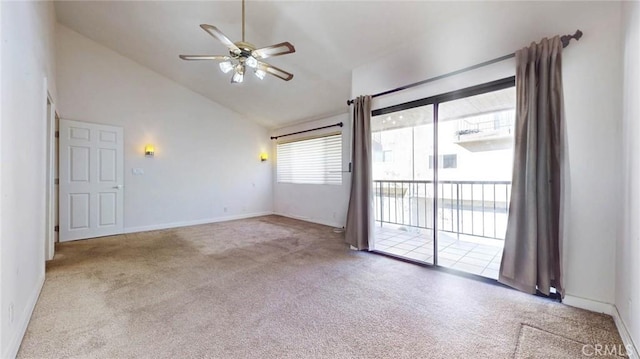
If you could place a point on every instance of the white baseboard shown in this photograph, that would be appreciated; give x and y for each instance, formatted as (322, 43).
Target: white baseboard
(312, 220)
(14, 342)
(631, 349)
(156, 227)
(606, 308)
(588, 304)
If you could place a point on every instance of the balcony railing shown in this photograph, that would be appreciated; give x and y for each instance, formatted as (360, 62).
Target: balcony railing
(494, 123)
(476, 208)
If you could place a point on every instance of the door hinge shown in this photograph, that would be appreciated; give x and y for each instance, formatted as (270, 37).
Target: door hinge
(56, 181)
(57, 134)
(56, 229)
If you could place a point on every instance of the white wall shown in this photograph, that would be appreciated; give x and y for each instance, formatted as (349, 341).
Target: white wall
(325, 204)
(592, 90)
(628, 251)
(27, 59)
(207, 157)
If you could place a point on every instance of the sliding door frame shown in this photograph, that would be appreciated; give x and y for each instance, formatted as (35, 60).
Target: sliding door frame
(435, 101)
(449, 96)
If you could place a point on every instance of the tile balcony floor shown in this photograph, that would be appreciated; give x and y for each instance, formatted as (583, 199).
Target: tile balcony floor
(471, 254)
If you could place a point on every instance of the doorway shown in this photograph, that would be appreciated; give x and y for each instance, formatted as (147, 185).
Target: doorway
(51, 222)
(442, 177)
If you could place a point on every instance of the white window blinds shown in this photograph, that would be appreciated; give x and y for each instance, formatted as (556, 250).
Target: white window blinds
(313, 161)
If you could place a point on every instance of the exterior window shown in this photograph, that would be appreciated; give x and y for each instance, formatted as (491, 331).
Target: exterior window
(387, 156)
(450, 161)
(311, 161)
(445, 161)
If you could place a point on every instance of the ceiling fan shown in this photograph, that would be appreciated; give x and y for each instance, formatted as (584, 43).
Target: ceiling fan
(243, 55)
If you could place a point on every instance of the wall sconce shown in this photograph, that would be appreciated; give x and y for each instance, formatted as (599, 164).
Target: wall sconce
(264, 156)
(149, 151)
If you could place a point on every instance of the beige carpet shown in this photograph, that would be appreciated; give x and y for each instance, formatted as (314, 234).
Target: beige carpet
(273, 287)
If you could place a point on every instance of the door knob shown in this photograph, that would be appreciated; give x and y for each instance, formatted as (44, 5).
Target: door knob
(118, 186)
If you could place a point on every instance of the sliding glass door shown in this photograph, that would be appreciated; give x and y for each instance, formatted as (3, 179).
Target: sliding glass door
(403, 183)
(475, 146)
(442, 172)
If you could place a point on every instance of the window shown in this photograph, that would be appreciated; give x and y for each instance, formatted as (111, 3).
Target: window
(445, 161)
(387, 156)
(313, 161)
(449, 161)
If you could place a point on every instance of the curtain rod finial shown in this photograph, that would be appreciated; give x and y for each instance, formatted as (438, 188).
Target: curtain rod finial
(565, 39)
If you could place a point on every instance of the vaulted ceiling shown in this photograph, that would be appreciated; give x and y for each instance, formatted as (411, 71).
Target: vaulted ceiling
(331, 39)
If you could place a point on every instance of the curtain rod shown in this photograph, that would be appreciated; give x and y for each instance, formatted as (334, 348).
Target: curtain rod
(339, 124)
(564, 39)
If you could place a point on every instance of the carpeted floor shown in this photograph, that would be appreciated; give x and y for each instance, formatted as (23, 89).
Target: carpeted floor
(273, 287)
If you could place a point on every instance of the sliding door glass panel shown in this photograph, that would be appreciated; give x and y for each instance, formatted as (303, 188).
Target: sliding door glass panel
(475, 157)
(403, 183)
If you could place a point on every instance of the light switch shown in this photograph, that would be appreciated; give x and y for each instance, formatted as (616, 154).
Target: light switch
(137, 171)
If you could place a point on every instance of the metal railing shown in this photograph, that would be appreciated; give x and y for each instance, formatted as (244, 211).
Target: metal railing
(476, 208)
(502, 122)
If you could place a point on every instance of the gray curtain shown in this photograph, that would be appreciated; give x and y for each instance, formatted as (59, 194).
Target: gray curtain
(532, 248)
(359, 221)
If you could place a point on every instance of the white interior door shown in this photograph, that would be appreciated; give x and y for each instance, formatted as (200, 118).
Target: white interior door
(91, 180)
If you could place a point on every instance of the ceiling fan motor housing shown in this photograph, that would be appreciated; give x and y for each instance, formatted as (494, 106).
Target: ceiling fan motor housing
(246, 49)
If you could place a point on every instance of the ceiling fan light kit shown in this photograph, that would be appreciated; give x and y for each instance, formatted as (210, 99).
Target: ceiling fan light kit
(238, 75)
(243, 54)
(260, 74)
(226, 66)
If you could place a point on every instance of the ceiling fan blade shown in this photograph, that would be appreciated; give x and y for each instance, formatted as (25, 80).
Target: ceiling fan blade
(213, 31)
(279, 73)
(282, 48)
(204, 57)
